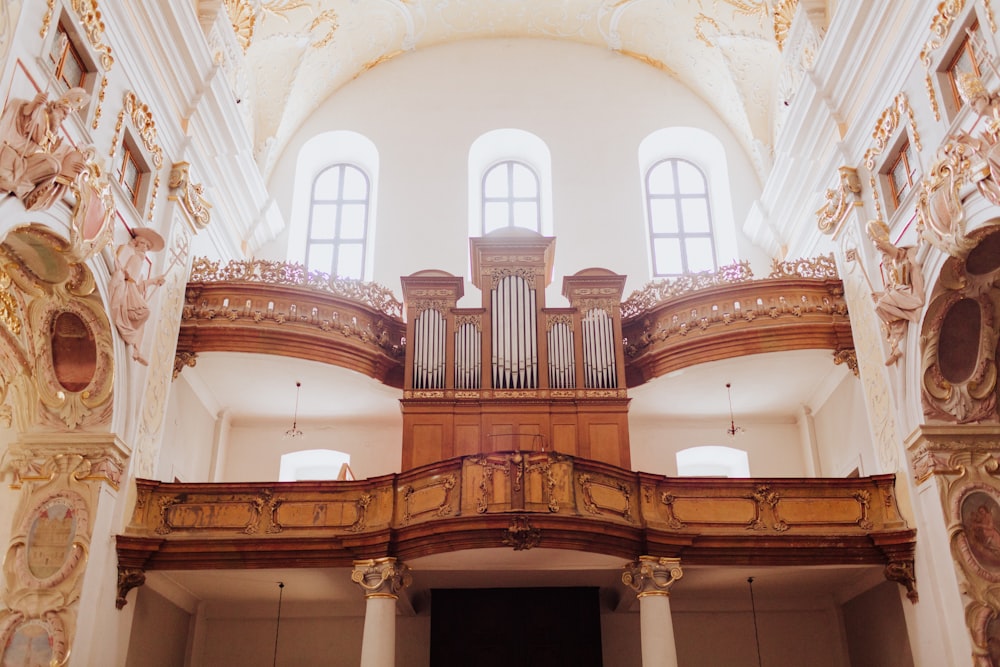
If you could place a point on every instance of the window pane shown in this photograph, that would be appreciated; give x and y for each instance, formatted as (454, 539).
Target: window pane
(667, 253)
(349, 261)
(661, 179)
(663, 216)
(319, 257)
(695, 215)
(324, 222)
(900, 182)
(699, 254)
(525, 183)
(495, 183)
(352, 222)
(690, 178)
(526, 215)
(327, 184)
(494, 216)
(72, 70)
(355, 184)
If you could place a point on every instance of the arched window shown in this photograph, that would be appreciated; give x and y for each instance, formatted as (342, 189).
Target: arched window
(332, 225)
(510, 182)
(511, 197)
(680, 218)
(688, 202)
(712, 461)
(338, 221)
(312, 464)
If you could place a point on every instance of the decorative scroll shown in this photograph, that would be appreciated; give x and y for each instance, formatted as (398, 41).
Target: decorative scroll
(189, 195)
(372, 295)
(885, 128)
(419, 501)
(840, 201)
(521, 535)
(489, 466)
(604, 496)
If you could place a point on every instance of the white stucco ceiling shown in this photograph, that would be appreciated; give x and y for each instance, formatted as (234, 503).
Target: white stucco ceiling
(298, 52)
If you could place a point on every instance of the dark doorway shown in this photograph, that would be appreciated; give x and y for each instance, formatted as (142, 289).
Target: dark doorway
(515, 627)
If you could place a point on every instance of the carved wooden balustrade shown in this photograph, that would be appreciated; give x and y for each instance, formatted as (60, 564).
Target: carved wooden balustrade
(520, 500)
(670, 325)
(275, 308)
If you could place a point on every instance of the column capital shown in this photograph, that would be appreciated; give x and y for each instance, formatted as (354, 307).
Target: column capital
(381, 577)
(650, 575)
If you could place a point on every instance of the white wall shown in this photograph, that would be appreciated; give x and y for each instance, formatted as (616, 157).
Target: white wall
(424, 109)
(843, 436)
(255, 448)
(773, 447)
(188, 431)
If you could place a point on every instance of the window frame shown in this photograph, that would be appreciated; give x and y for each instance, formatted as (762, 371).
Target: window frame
(69, 49)
(512, 197)
(337, 240)
(128, 154)
(901, 156)
(678, 197)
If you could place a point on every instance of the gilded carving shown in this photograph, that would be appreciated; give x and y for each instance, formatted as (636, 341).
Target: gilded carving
(141, 120)
(521, 535)
(839, 201)
(658, 291)
(92, 223)
(189, 195)
(290, 273)
(649, 575)
(947, 12)
(847, 356)
(381, 577)
(184, 360)
(433, 498)
(940, 213)
(606, 496)
(489, 466)
(128, 578)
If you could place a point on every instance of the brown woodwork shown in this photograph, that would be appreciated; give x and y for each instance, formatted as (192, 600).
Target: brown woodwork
(519, 499)
(773, 315)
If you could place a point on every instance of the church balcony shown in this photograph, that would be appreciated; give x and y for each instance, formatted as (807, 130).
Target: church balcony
(518, 500)
(265, 307)
(673, 324)
(275, 308)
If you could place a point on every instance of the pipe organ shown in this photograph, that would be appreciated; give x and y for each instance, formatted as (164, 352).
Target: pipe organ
(513, 374)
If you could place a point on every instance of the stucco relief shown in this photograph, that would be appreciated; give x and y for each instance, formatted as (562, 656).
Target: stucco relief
(161, 362)
(56, 357)
(868, 345)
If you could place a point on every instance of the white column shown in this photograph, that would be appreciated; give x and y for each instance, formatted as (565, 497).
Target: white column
(381, 579)
(651, 578)
(810, 450)
(220, 445)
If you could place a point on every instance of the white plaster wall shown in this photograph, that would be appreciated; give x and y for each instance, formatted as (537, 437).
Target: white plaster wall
(159, 632)
(843, 437)
(255, 448)
(424, 109)
(187, 436)
(774, 448)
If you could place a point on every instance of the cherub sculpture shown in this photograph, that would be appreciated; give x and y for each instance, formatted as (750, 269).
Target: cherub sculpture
(129, 305)
(903, 297)
(35, 165)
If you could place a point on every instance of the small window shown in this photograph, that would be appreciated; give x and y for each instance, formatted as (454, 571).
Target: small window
(902, 174)
(338, 222)
(69, 65)
(965, 61)
(129, 171)
(680, 218)
(713, 461)
(511, 197)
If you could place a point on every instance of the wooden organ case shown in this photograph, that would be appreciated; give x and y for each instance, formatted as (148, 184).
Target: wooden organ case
(514, 375)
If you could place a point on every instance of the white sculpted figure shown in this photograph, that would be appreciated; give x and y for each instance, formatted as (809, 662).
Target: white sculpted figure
(129, 306)
(35, 165)
(903, 297)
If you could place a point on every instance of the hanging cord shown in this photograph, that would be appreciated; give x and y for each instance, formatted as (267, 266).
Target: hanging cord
(753, 608)
(277, 624)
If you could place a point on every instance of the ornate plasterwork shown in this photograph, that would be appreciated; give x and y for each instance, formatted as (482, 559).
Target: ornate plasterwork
(381, 577)
(964, 464)
(650, 575)
(885, 129)
(972, 397)
(92, 224)
(44, 282)
(189, 195)
(940, 27)
(141, 120)
(839, 201)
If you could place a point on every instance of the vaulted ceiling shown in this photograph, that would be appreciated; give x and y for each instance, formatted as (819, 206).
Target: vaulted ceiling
(296, 53)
